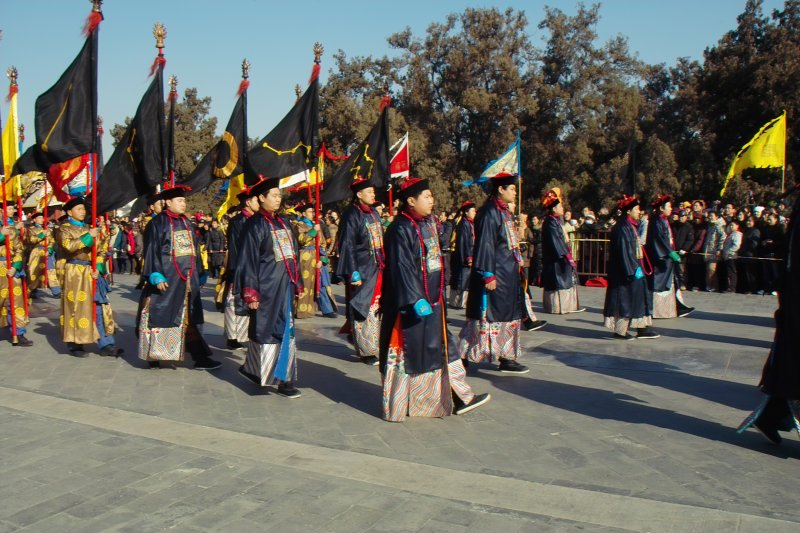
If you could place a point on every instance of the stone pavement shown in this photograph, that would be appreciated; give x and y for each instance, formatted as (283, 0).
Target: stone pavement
(599, 436)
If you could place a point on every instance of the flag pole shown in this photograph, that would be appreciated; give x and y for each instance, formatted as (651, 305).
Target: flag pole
(7, 242)
(96, 15)
(318, 51)
(519, 173)
(13, 75)
(783, 170)
(44, 226)
(173, 97)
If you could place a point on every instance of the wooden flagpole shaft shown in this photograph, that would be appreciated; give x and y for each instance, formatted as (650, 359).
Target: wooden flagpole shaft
(93, 180)
(46, 254)
(9, 277)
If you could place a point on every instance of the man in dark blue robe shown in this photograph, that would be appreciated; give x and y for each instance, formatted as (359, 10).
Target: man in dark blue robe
(268, 279)
(170, 306)
(361, 264)
(461, 257)
(629, 302)
(421, 369)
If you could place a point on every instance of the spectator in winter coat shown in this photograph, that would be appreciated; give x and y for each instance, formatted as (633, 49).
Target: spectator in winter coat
(748, 261)
(730, 249)
(684, 238)
(712, 248)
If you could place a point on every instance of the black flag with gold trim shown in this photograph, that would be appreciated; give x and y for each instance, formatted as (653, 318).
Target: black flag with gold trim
(291, 146)
(139, 162)
(369, 161)
(226, 158)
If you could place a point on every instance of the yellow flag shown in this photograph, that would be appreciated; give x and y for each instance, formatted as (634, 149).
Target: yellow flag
(234, 187)
(11, 150)
(766, 150)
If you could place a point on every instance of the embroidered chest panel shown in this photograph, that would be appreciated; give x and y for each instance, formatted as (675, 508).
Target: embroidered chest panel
(282, 245)
(182, 243)
(375, 232)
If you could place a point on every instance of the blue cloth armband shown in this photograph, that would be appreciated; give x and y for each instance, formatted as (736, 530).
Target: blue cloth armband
(156, 278)
(487, 275)
(638, 274)
(356, 277)
(422, 307)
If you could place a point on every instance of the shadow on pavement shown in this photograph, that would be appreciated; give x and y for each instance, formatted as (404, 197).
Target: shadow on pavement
(656, 374)
(609, 405)
(341, 388)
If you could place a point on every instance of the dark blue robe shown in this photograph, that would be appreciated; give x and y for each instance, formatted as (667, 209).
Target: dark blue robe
(557, 273)
(781, 375)
(462, 255)
(234, 237)
(262, 271)
(658, 246)
(404, 285)
(493, 252)
(356, 242)
(626, 296)
(165, 234)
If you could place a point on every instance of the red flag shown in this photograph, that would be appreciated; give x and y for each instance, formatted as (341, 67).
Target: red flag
(400, 162)
(60, 174)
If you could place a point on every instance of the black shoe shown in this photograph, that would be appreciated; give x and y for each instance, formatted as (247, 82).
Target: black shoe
(647, 333)
(477, 401)
(770, 433)
(626, 337)
(330, 315)
(154, 364)
(371, 360)
(207, 364)
(77, 351)
(684, 311)
(512, 367)
(111, 351)
(288, 390)
(533, 325)
(233, 344)
(23, 341)
(465, 362)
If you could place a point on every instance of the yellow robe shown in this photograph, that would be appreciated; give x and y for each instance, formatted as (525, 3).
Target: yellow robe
(306, 302)
(77, 324)
(14, 244)
(37, 246)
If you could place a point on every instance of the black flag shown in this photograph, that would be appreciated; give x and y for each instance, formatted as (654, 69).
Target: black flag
(292, 145)
(138, 163)
(66, 114)
(226, 158)
(369, 161)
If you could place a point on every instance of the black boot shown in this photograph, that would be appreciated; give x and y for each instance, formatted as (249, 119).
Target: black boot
(23, 341)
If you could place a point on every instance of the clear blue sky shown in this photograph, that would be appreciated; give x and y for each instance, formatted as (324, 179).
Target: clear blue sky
(207, 41)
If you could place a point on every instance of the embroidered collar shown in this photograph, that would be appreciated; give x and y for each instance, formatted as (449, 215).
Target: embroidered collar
(270, 215)
(364, 208)
(501, 204)
(246, 212)
(170, 214)
(634, 223)
(305, 221)
(414, 215)
(74, 222)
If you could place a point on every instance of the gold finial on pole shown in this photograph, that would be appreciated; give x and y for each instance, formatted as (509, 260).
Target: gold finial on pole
(96, 6)
(298, 91)
(22, 133)
(12, 75)
(160, 33)
(245, 69)
(173, 83)
(318, 51)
